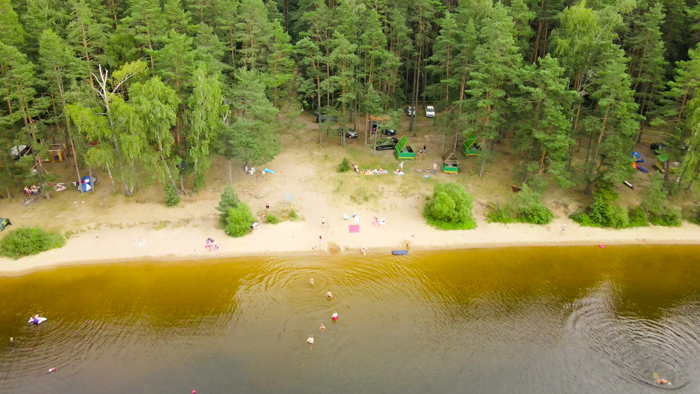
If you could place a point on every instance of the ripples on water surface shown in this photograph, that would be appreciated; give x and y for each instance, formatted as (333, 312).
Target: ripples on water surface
(529, 320)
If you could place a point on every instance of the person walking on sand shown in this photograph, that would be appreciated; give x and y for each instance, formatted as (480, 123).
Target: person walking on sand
(425, 149)
(434, 168)
(420, 155)
(320, 239)
(267, 205)
(323, 221)
(563, 228)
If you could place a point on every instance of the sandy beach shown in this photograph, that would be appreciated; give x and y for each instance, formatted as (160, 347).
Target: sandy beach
(104, 227)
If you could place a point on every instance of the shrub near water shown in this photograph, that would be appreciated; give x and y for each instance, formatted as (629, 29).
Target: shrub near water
(603, 212)
(28, 241)
(450, 208)
(239, 220)
(527, 207)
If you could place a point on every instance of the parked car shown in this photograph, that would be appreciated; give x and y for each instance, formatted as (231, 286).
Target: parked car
(321, 118)
(349, 133)
(385, 143)
(657, 146)
(660, 147)
(389, 132)
(18, 151)
(411, 111)
(430, 111)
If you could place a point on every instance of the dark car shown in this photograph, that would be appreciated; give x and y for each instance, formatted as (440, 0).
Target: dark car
(376, 125)
(321, 118)
(385, 143)
(658, 146)
(349, 133)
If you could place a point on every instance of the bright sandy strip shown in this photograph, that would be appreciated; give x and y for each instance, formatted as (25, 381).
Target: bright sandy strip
(113, 244)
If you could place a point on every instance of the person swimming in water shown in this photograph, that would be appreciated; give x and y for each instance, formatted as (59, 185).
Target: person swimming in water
(660, 380)
(322, 327)
(329, 295)
(335, 316)
(312, 281)
(310, 340)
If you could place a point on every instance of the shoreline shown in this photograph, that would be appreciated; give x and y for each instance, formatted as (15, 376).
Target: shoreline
(140, 243)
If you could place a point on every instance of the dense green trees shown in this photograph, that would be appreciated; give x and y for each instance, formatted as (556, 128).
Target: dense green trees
(570, 85)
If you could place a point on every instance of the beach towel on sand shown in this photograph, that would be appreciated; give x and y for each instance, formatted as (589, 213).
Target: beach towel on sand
(355, 228)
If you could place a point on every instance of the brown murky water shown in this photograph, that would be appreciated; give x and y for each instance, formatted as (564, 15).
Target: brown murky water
(521, 320)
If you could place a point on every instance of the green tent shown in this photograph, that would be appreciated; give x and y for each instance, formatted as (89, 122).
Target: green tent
(4, 222)
(470, 147)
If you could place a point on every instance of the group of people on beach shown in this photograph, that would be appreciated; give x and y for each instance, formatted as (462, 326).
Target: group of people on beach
(334, 317)
(210, 245)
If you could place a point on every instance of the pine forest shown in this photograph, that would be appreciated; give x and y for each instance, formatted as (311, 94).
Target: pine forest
(160, 88)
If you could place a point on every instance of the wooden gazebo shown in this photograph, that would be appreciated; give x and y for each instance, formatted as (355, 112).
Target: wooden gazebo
(450, 162)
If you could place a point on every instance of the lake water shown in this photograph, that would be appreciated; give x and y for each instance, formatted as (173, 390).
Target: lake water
(519, 320)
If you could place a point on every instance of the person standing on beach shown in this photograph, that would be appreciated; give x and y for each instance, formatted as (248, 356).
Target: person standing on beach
(267, 205)
(434, 168)
(425, 149)
(323, 221)
(420, 155)
(320, 239)
(401, 166)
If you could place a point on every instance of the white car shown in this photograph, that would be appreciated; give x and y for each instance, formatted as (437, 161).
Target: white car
(430, 111)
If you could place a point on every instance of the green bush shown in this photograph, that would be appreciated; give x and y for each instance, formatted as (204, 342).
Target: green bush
(670, 217)
(293, 215)
(655, 204)
(603, 212)
(171, 196)
(28, 241)
(344, 165)
(272, 219)
(638, 218)
(527, 207)
(499, 215)
(200, 181)
(692, 215)
(229, 200)
(238, 220)
(450, 208)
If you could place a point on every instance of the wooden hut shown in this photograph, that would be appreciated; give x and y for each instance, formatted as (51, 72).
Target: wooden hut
(450, 162)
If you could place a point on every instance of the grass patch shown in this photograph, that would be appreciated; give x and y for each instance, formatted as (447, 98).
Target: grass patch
(27, 241)
(160, 226)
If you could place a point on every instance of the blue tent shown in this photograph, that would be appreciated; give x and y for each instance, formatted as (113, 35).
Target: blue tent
(637, 157)
(86, 183)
